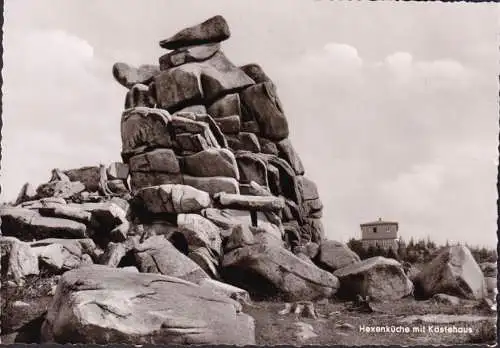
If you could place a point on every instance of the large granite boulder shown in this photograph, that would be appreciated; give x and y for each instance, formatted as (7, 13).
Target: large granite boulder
(200, 232)
(190, 54)
(334, 255)
(128, 76)
(102, 305)
(454, 272)
(380, 278)
(158, 255)
(266, 269)
(211, 162)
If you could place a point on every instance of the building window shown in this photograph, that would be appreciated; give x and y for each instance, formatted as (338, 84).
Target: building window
(374, 230)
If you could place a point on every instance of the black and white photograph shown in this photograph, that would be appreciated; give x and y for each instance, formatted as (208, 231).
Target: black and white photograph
(250, 172)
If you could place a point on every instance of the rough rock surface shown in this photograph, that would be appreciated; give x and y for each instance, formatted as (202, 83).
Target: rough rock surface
(272, 270)
(334, 255)
(454, 272)
(378, 277)
(18, 259)
(102, 305)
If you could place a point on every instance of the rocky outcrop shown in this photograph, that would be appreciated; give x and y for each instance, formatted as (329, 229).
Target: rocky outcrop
(454, 272)
(102, 305)
(379, 278)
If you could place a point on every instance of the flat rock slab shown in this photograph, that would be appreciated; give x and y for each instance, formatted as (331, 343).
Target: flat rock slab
(103, 305)
(380, 278)
(454, 272)
(280, 270)
(173, 199)
(244, 202)
(88, 176)
(28, 225)
(128, 75)
(214, 29)
(190, 54)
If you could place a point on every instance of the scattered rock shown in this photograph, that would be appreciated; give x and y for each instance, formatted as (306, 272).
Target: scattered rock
(379, 278)
(213, 30)
(454, 272)
(102, 305)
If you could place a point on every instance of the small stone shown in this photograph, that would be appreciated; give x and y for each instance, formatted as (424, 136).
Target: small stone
(128, 75)
(214, 29)
(188, 54)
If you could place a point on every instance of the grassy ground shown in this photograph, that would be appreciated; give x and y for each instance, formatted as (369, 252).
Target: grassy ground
(273, 329)
(21, 322)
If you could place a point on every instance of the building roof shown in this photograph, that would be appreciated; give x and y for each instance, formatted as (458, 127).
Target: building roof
(379, 222)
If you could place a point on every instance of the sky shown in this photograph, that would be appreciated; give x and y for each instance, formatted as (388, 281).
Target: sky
(392, 106)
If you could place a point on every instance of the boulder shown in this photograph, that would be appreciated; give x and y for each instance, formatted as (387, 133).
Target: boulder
(207, 260)
(243, 141)
(213, 30)
(27, 225)
(252, 168)
(195, 109)
(66, 212)
(241, 235)
(102, 305)
(178, 87)
(200, 232)
(224, 289)
(380, 278)
(250, 126)
(158, 255)
(77, 247)
(286, 181)
(227, 219)
(56, 259)
(107, 215)
(187, 123)
(288, 153)
(211, 162)
(307, 188)
(228, 105)
(310, 249)
(139, 95)
(262, 102)
(229, 124)
(140, 180)
(118, 170)
(313, 230)
(27, 193)
(313, 208)
(60, 188)
(216, 132)
(454, 272)
(144, 128)
(128, 76)
(256, 73)
(213, 185)
(333, 255)
(268, 147)
(159, 160)
(241, 202)
(113, 255)
(190, 143)
(173, 199)
(17, 259)
(270, 270)
(220, 77)
(188, 54)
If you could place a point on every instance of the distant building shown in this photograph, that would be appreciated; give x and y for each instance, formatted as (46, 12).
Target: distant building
(380, 233)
